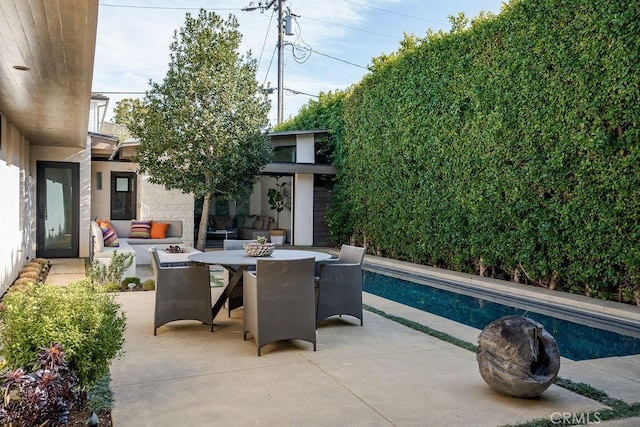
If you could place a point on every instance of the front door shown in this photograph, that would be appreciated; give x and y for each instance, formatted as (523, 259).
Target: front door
(58, 205)
(123, 195)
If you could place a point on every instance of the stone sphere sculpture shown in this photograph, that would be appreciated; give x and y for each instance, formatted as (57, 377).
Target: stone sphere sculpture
(517, 356)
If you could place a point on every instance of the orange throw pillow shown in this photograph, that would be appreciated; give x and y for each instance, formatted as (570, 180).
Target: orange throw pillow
(105, 223)
(159, 230)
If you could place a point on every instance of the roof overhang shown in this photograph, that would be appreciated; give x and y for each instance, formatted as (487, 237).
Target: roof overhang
(46, 68)
(293, 168)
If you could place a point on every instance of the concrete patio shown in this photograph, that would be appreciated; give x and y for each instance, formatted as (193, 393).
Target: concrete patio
(380, 374)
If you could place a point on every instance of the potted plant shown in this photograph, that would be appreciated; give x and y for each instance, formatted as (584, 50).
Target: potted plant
(278, 202)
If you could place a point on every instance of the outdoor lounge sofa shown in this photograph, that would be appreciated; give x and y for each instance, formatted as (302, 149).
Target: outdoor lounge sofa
(247, 227)
(137, 246)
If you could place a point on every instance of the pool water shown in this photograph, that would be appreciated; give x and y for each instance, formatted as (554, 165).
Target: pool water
(575, 341)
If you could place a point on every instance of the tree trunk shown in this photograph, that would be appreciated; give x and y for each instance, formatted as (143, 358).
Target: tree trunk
(204, 222)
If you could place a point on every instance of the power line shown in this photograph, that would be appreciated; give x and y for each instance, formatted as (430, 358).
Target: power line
(310, 49)
(119, 92)
(264, 43)
(166, 8)
(394, 13)
(352, 28)
(297, 92)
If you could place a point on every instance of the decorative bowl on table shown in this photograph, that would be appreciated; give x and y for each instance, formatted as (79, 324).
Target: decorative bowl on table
(259, 249)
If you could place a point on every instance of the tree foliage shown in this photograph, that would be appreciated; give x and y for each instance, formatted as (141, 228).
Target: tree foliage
(124, 110)
(328, 113)
(511, 144)
(201, 129)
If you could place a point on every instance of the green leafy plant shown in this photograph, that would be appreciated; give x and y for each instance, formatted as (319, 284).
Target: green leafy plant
(43, 397)
(85, 320)
(277, 200)
(102, 275)
(496, 145)
(131, 283)
(149, 285)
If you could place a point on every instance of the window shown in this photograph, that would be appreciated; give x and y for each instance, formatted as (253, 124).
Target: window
(284, 154)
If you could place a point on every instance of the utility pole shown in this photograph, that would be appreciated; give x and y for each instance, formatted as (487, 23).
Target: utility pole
(280, 61)
(281, 34)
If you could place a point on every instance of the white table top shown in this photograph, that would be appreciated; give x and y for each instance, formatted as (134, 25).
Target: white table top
(239, 257)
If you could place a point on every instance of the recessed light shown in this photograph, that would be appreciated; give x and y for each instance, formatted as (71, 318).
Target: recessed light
(21, 67)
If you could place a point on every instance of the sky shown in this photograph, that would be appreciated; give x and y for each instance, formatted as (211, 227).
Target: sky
(134, 36)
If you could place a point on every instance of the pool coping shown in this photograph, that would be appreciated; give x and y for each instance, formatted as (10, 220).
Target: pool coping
(622, 311)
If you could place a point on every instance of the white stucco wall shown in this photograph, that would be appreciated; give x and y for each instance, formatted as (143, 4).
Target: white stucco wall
(16, 196)
(303, 208)
(305, 149)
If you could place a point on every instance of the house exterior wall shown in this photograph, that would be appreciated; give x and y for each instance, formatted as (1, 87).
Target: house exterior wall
(71, 155)
(100, 199)
(153, 201)
(303, 209)
(18, 160)
(305, 148)
(17, 195)
(156, 202)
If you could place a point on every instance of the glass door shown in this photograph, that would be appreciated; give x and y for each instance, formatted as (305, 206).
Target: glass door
(123, 195)
(58, 196)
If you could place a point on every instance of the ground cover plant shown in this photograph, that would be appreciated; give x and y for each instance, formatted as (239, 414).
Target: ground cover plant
(508, 147)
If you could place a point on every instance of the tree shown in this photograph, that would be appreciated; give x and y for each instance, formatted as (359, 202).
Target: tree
(201, 129)
(124, 109)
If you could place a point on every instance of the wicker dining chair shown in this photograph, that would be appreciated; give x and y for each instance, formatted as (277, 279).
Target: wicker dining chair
(279, 301)
(182, 293)
(339, 285)
(235, 299)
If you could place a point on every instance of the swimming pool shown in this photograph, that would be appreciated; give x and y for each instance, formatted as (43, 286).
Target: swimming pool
(576, 341)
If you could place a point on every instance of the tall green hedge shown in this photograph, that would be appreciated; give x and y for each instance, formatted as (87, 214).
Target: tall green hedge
(512, 144)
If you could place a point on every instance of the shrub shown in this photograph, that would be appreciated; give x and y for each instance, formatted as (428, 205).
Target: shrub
(126, 283)
(86, 321)
(112, 287)
(22, 281)
(103, 274)
(43, 397)
(29, 275)
(149, 285)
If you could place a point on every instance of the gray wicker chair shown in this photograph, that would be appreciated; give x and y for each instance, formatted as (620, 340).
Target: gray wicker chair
(279, 301)
(235, 299)
(339, 285)
(182, 293)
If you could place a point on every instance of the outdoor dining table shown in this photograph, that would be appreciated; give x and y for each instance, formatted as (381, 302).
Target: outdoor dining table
(236, 263)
